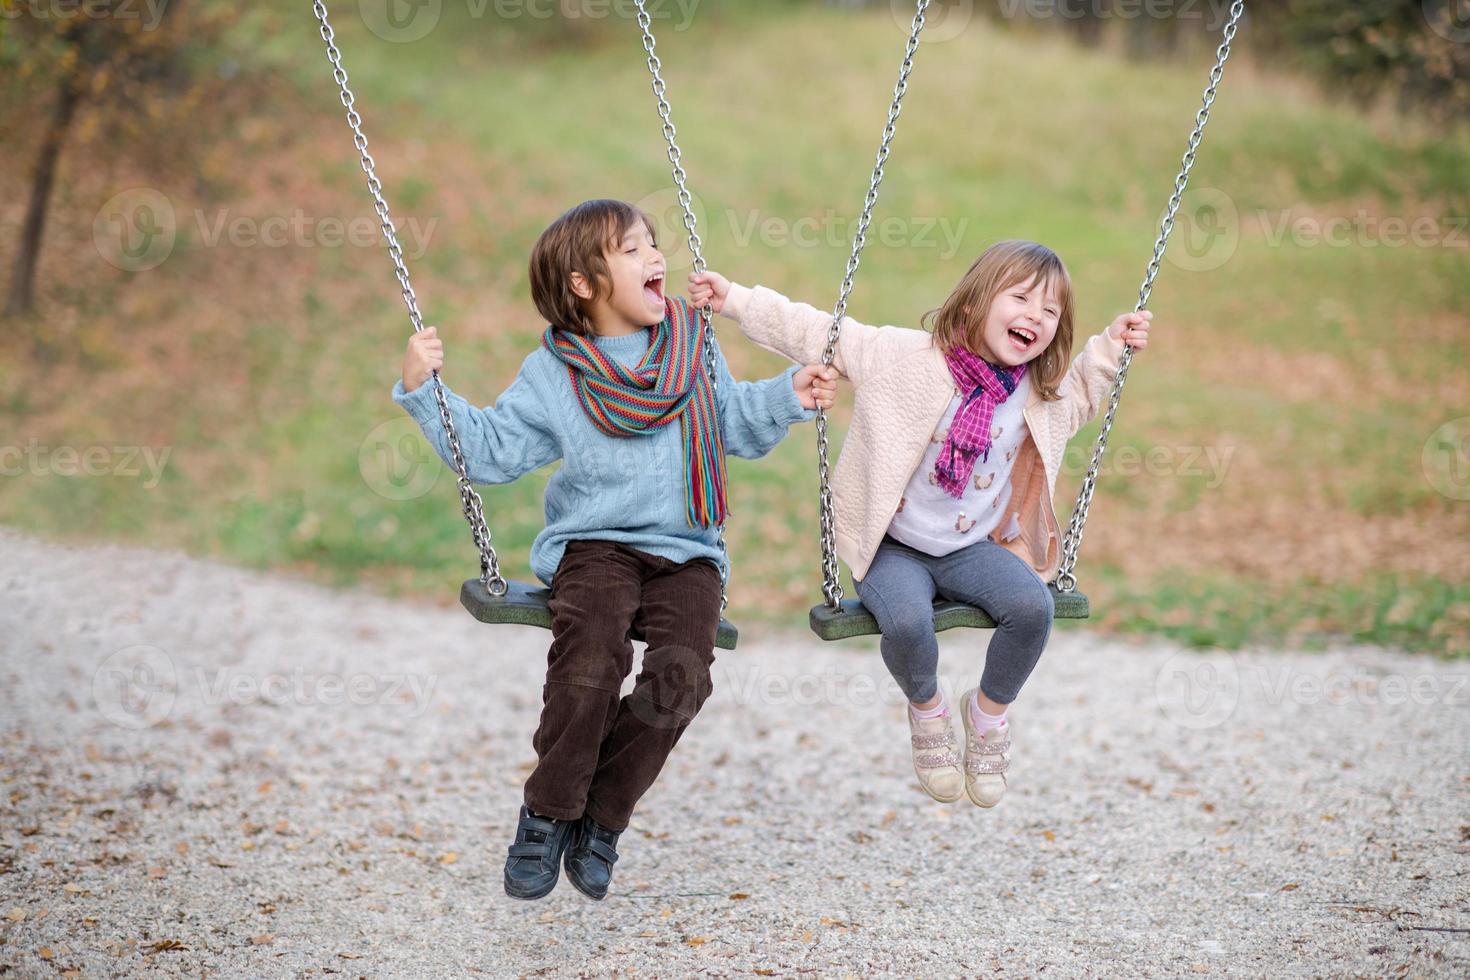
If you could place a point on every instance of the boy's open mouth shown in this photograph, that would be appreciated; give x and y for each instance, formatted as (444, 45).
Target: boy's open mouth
(653, 289)
(1021, 338)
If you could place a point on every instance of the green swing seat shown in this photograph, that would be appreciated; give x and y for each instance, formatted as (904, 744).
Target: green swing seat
(525, 605)
(852, 618)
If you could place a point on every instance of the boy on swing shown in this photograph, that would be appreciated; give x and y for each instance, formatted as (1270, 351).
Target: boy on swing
(632, 519)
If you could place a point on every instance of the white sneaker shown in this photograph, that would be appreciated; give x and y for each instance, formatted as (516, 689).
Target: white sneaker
(935, 761)
(987, 759)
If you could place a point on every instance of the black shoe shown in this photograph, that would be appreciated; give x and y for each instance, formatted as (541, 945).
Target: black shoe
(534, 862)
(590, 859)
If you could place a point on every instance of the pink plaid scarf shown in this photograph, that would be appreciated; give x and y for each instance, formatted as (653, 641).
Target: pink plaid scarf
(986, 385)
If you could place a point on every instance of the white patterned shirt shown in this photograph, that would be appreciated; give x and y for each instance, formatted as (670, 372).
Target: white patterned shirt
(932, 521)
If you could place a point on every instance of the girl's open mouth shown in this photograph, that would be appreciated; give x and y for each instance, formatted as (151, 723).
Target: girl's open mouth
(1020, 338)
(653, 290)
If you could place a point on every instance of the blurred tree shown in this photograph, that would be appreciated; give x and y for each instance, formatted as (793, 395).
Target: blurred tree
(134, 65)
(1418, 51)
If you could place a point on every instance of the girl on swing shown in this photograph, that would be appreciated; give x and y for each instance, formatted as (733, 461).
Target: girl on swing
(946, 478)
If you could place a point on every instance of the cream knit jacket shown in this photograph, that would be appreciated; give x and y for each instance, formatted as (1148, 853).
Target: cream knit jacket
(901, 388)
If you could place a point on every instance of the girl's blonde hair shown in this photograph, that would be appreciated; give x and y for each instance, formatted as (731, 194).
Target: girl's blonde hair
(959, 322)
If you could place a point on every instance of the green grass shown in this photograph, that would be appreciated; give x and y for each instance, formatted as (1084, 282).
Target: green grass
(490, 128)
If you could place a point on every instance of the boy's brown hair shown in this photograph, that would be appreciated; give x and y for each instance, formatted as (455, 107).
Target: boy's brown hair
(577, 242)
(959, 321)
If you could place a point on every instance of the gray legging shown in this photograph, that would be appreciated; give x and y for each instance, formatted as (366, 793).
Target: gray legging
(899, 590)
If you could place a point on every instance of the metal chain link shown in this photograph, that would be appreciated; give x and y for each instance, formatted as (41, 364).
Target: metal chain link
(1066, 578)
(831, 582)
(706, 313)
(474, 510)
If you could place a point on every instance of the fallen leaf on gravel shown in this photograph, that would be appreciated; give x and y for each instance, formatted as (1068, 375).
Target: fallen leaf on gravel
(888, 818)
(859, 837)
(546, 917)
(163, 946)
(806, 937)
(264, 787)
(281, 827)
(219, 863)
(647, 934)
(73, 888)
(764, 973)
(349, 956)
(1049, 835)
(733, 821)
(264, 939)
(448, 858)
(45, 952)
(665, 913)
(1293, 886)
(156, 872)
(739, 897)
(696, 940)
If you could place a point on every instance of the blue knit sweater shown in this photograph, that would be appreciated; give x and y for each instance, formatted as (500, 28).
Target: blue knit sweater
(616, 489)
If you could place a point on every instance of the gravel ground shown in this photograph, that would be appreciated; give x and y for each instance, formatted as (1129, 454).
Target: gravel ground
(186, 793)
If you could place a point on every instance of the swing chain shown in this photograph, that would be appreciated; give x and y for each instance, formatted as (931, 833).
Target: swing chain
(473, 507)
(706, 312)
(831, 581)
(1066, 578)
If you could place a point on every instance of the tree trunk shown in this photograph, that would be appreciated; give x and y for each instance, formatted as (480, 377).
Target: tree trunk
(22, 284)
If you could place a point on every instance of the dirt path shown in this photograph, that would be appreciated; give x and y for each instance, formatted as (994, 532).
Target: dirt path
(186, 793)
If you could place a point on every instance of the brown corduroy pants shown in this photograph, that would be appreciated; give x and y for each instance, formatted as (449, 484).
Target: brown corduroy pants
(598, 753)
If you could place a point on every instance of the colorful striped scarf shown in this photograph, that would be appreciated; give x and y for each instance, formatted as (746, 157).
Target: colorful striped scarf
(668, 383)
(986, 385)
